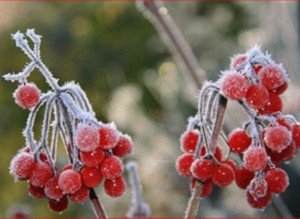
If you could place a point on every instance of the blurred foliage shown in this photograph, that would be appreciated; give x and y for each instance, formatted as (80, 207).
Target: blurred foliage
(129, 77)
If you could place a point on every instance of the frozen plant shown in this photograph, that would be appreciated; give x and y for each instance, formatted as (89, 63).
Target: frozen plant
(94, 149)
(256, 150)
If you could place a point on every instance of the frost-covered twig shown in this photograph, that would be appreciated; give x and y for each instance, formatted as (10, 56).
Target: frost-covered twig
(138, 207)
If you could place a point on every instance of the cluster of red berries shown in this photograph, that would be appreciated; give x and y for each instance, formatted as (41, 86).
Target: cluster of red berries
(205, 167)
(267, 140)
(100, 150)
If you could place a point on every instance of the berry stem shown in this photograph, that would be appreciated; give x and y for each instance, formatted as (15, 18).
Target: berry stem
(137, 201)
(194, 201)
(98, 208)
(173, 38)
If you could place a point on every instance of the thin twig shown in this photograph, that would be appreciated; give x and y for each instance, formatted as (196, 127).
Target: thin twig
(98, 208)
(194, 201)
(173, 38)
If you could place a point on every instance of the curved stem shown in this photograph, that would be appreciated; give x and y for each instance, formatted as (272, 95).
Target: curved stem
(195, 197)
(98, 208)
(174, 39)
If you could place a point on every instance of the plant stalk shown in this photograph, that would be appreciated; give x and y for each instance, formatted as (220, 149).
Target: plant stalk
(194, 201)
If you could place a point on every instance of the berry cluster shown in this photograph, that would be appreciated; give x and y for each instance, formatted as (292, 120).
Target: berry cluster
(94, 149)
(269, 138)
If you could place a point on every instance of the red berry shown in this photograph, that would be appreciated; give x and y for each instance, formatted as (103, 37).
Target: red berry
(183, 164)
(238, 60)
(218, 153)
(22, 165)
(91, 177)
(87, 138)
(223, 175)
(27, 95)
(257, 96)
(259, 202)
(278, 138)
(280, 90)
(207, 187)
(277, 180)
(52, 189)
(124, 146)
(274, 105)
(93, 158)
(285, 123)
(234, 85)
(296, 135)
(238, 141)
(58, 205)
(258, 187)
(115, 187)
(272, 77)
(36, 192)
(111, 167)
(257, 68)
(230, 163)
(41, 174)
(69, 181)
(189, 141)
(81, 195)
(255, 158)
(203, 169)
(285, 155)
(243, 177)
(109, 136)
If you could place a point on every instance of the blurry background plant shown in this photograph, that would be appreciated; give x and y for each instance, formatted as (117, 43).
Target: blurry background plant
(130, 78)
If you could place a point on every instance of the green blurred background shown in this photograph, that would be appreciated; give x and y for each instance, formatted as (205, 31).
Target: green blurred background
(130, 78)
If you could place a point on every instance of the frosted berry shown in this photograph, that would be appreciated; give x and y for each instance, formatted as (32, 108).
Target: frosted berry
(255, 158)
(189, 141)
(41, 174)
(272, 77)
(111, 167)
(277, 180)
(258, 187)
(278, 138)
(81, 195)
(93, 158)
(238, 141)
(22, 165)
(124, 146)
(87, 138)
(114, 187)
(238, 60)
(207, 187)
(259, 203)
(296, 135)
(58, 205)
(183, 164)
(243, 177)
(234, 85)
(274, 105)
(203, 169)
(257, 96)
(36, 192)
(52, 189)
(109, 136)
(91, 177)
(27, 95)
(69, 181)
(223, 175)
